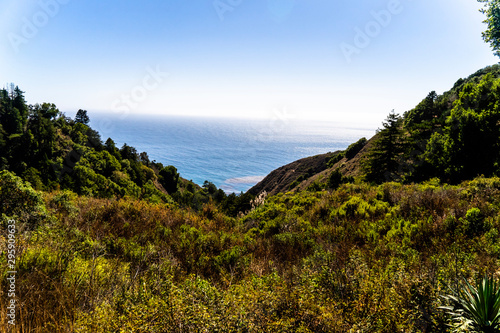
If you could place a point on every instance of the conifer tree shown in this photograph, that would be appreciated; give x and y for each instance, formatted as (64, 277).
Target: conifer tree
(383, 159)
(82, 117)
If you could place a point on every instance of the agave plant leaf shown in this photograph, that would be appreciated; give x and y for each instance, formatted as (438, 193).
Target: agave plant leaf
(476, 309)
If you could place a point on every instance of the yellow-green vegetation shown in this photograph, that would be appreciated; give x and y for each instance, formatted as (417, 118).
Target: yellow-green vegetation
(96, 238)
(108, 241)
(359, 258)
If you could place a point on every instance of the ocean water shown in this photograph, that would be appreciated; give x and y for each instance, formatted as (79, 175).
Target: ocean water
(234, 154)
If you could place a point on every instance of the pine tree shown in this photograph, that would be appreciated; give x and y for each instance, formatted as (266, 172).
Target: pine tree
(169, 178)
(382, 162)
(82, 117)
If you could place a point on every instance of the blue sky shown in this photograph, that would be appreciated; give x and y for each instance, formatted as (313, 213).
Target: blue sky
(244, 58)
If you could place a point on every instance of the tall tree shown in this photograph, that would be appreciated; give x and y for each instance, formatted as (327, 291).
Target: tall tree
(169, 178)
(129, 153)
(13, 110)
(382, 163)
(469, 143)
(492, 33)
(19, 103)
(82, 117)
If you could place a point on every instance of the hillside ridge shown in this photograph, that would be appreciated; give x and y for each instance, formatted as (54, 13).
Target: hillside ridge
(419, 154)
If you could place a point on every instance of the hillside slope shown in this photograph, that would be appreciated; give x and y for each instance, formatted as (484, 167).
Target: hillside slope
(348, 167)
(290, 175)
(51, 151)
(94, 253)
(301, 174)
(454, 137)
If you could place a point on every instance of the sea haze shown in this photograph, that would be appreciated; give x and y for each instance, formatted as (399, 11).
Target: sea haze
(234, 154)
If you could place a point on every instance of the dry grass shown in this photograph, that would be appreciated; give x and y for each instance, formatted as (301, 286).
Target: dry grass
(362, 258)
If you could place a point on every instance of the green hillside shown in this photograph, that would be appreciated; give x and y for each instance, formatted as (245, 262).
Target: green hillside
(54, 152)
(452, 137)
(368, 240)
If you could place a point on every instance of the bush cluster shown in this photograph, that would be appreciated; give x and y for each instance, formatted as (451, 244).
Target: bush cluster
(361, 258)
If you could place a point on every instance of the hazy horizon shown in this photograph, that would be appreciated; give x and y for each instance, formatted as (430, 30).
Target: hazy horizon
(346, 62)
(234, 154)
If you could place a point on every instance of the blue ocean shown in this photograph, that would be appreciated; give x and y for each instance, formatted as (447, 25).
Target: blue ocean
(234, 154)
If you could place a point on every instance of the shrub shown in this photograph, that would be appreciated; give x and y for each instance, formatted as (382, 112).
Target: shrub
(19, 200)
(315, 186)
(335, 159)
(63, 201)
(474, 222)
(355, 148)
(169, 178)
(33, 176)
(355, 207)
(335, 179)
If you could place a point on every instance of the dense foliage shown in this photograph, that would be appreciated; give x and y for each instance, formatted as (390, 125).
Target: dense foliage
(52, 152)
(491, 35)
(367, 258)
(454, 136)
(383, 159)
(109, 241)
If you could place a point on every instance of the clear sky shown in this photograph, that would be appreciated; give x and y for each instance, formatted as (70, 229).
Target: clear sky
(345, 60)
